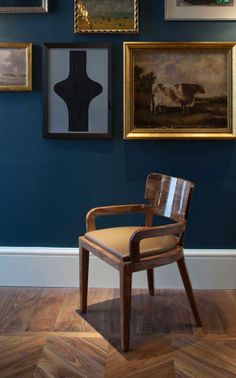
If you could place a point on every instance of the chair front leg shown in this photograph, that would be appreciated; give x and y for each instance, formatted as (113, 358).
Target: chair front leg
(189, 290)
(84, 267)
(125, 305)
(150, 278)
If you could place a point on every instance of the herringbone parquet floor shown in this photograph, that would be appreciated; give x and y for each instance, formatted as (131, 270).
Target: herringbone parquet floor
(43, 335)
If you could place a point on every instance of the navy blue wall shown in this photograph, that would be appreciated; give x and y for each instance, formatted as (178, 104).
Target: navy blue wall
(47, 186)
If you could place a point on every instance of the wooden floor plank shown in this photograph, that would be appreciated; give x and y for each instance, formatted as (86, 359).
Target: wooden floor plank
(42, 334)
(73, 357)
(68, 318)
(18, 307)
(47, 310)
(19, 355)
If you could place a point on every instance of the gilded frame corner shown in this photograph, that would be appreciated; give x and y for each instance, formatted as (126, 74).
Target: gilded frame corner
(81, 15)
(15, 84)
(132, 131)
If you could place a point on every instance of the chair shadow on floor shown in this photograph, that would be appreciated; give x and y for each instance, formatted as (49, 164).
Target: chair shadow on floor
(164, 314)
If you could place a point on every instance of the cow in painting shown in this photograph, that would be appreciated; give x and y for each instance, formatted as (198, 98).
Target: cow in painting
(175, 96)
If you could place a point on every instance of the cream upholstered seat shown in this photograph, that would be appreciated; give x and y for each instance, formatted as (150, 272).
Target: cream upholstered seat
(116, 241)
(133, 249)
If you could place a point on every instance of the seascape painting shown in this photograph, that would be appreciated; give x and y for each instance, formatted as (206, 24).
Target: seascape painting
(15, 66)
(189, 3)
(106, 15)
(12, 67)
(184, 91)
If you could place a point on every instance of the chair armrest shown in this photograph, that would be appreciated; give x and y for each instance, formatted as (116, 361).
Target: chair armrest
(112, 210)
(152, 232)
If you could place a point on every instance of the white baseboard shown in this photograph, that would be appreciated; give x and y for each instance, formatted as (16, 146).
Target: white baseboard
(59, 267)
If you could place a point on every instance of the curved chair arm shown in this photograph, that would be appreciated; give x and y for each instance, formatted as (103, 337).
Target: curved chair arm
(152, 232)
(112, 210)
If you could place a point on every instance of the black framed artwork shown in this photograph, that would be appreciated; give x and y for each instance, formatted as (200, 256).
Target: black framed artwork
(78, 90)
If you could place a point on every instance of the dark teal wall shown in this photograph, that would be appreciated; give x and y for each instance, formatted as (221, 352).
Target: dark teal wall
(48, 185)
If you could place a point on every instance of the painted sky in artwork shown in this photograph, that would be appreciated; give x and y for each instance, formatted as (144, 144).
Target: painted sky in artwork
(182, 3)
(12, 62)
(109, 8)
(208, 70)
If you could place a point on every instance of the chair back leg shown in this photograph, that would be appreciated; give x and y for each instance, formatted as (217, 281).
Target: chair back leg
(84, 267)
(150, 278)
(189, 290)
(125, 305)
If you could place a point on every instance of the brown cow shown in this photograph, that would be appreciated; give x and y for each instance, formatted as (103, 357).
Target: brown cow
(174, 96)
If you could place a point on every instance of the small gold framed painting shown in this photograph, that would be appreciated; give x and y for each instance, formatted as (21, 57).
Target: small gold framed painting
(106, 16)
(15, 66)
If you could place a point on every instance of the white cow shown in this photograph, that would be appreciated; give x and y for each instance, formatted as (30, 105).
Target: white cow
(174, 96)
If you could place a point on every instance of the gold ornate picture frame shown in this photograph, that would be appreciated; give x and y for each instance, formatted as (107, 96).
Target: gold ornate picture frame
(106, 16)
(15, 66)
(179, 90)
(23, 6)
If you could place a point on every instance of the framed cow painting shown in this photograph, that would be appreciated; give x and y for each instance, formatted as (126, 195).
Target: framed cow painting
(179, 90)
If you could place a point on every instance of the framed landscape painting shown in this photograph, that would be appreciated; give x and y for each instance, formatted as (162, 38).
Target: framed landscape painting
(179, 90)
(200, 9)
(15, 66)
(106, 16)
(78, 90)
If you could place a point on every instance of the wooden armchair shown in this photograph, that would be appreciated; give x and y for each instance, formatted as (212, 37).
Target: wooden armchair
(132, 249)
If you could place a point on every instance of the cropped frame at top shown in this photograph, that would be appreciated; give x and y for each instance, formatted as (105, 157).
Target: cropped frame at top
(179, 90)
(84, 23)
(23, 9)
(191, 10)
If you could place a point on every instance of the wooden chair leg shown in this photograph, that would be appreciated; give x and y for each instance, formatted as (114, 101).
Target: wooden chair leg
(125, 305)
(189, 290)
(150, 277)
(84, 266)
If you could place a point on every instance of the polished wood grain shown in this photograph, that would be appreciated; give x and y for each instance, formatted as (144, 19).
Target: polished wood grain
(84, 267)
(165, 343)
(112, 210)
(19, 355)
(73, 357)
(168, 197)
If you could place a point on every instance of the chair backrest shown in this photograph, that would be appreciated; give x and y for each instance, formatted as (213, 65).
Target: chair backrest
(169, 196)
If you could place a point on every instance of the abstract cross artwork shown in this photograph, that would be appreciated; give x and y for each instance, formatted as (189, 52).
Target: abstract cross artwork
(77, 90)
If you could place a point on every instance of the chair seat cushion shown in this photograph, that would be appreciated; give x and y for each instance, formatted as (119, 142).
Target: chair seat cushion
(116, 241)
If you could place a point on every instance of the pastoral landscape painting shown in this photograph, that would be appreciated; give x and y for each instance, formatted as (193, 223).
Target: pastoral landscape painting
(106, 16)
(184, 91)
(183, 3)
